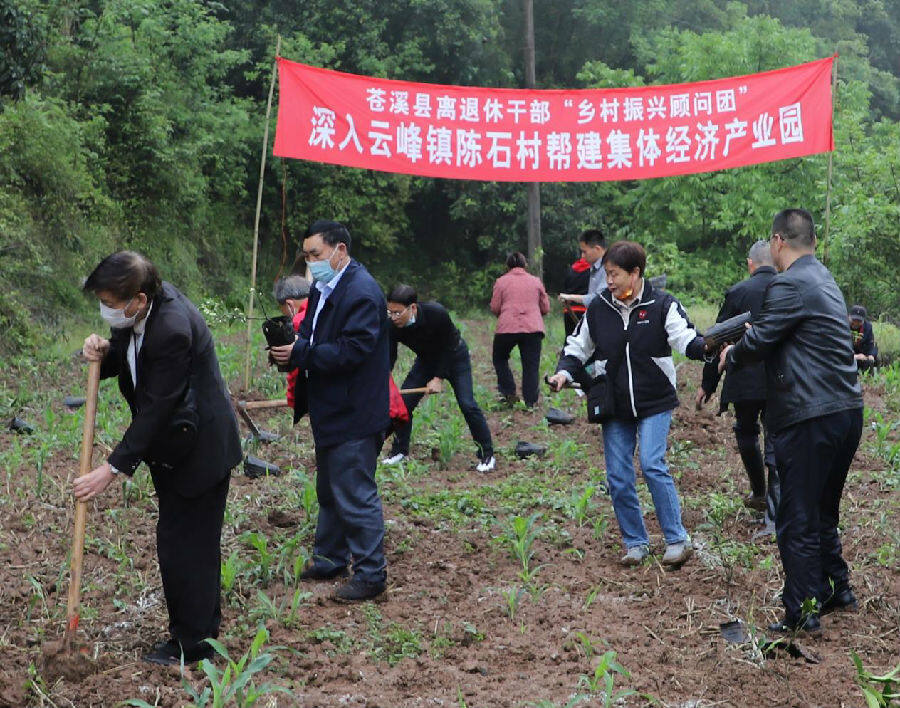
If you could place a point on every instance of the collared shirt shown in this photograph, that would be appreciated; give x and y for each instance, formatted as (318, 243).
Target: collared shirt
(625, 307)
(596, 283)
(134, 346)
(325, 289)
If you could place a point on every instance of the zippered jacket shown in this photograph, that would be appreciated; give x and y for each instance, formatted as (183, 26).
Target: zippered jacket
(803, 337)
(633, 345)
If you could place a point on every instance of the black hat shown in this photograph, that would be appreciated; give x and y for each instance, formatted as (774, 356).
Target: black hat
(858, 313)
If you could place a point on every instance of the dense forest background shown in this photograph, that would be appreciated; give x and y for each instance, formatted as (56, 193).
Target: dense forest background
(138, 123)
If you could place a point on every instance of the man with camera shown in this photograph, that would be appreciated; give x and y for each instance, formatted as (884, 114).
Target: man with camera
(814, 414)
(342, 353)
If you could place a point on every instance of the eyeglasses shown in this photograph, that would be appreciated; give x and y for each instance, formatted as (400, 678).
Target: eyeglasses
(399, 313)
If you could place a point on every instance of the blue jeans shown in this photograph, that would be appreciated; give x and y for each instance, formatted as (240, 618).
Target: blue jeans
(619, 438)
(351, 522)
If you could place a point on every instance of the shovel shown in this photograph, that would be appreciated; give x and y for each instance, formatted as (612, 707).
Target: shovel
(87, 449)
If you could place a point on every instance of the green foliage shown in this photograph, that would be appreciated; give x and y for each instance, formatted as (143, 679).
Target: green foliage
(879, 691)
(21, 50)
(140, 128)
(233, 685)
(602, 682)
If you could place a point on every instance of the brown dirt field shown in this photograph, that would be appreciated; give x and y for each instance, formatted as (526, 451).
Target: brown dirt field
(442, 635)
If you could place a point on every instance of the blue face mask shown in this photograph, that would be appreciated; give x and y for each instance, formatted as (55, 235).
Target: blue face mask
(321, 271)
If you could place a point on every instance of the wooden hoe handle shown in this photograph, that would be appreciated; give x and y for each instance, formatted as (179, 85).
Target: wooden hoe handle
(87, 449)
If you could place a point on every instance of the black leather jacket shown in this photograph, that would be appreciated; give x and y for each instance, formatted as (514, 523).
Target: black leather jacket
(802, 335)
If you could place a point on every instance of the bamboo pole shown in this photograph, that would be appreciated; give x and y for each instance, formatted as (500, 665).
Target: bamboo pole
(830, 165)
(259, 191)
(77, 560)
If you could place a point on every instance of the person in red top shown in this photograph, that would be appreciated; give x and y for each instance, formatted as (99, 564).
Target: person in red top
(577, 279)
(292, 294)
(520, 302)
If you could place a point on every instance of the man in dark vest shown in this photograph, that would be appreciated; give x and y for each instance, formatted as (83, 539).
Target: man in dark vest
(814, 412)
(745, 388)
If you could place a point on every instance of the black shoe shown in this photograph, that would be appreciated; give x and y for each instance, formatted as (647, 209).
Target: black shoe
(168, 653)
(356, 590)
(844, 601)
(526, 449)
(162, 656)
(557, 417)
(170, 645)
(809, 625)
(314, 573)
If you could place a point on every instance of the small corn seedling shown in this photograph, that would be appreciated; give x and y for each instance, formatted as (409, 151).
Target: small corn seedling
(879, 691)
(581, 505)
(264, 557)
(513, 596)
(602, 682)
(231, 568)
(233, 685)
(521, 539)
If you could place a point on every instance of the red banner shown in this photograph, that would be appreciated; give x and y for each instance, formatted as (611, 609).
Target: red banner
(516, 135)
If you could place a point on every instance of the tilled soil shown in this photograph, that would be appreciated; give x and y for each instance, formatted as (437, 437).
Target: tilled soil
(442, 635)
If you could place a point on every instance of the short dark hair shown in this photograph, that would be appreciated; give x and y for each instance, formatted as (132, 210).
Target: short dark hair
(124, 274)
(403, 294)
(627, 255)
(593, 237)
(516, 260)
(796, 226)
(332, 232)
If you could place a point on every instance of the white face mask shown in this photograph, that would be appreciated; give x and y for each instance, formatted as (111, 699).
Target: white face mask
(117, 319)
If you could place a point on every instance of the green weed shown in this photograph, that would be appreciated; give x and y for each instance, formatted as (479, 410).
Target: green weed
(879, 691)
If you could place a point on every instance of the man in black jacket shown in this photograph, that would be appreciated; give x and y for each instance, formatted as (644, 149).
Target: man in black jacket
(441, 353)
(745, 388)
(342, 354)
(864, 349)
(814, 413)
(163, 354)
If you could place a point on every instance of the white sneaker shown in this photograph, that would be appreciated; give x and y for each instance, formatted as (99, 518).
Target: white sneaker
(486, 465)
(393, 459)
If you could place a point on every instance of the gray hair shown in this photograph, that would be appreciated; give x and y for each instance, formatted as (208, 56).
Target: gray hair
(293, 287)
(760, 253)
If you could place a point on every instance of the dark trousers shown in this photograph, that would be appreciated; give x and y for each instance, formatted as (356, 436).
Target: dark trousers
(813, 458)
(188, 544)
(351, 521)
(749, 418)
(529, 344)
(460, 378)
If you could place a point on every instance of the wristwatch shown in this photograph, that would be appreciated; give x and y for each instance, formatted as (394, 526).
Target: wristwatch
(114, 470)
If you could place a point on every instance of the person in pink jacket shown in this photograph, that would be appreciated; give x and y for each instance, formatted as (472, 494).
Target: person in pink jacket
(520, 302)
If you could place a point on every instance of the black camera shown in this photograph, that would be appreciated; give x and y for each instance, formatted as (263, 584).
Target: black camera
(278, 331)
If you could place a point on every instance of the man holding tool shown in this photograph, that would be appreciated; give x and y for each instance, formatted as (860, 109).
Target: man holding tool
(441, 353)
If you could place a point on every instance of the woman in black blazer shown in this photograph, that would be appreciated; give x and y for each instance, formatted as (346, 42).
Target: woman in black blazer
(183, 427)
